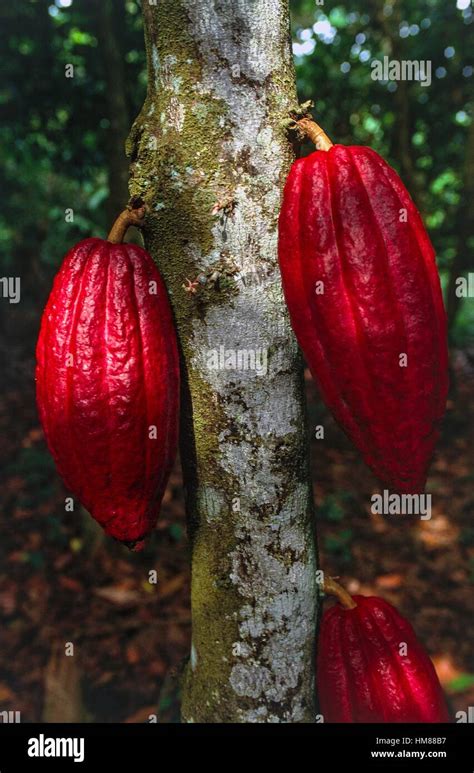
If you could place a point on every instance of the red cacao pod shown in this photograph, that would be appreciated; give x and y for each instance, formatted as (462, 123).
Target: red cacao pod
(348, 223)
(361, 675)
(107, 375)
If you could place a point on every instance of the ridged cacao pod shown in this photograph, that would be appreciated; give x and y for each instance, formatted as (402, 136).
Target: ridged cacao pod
(361, 675)
(107, 375)
(362, 289)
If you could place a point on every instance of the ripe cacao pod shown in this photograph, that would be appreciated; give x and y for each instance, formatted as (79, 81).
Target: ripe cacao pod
(361, 675)
(362, 289)
(108, 384)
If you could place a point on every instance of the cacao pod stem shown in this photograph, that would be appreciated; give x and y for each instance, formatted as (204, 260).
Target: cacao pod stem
(332, 588)
(314, 133)
(134, 214)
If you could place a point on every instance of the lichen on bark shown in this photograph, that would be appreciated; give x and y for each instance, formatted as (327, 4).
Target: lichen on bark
(209, 156)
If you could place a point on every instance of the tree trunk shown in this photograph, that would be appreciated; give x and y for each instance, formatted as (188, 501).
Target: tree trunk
(209, 156)
(402, 137)
(116, 101)
(462, 261)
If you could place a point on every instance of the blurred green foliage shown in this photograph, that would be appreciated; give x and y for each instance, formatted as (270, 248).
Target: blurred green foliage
(461, 683)
(54, 129)
(339, 546)
(335, 507)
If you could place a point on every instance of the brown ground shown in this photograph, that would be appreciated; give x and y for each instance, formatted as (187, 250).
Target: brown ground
(62, 581)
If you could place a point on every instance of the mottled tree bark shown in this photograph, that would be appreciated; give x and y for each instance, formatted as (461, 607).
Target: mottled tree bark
(209, 156)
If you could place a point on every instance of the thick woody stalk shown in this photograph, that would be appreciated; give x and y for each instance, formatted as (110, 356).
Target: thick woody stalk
(131, 216)
(315, 133)
(209, 157)
(332, 588)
